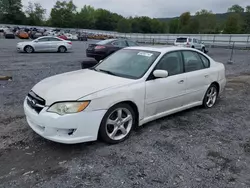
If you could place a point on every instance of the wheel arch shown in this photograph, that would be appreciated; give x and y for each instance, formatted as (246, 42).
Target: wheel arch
(132, 105)
(217, 85)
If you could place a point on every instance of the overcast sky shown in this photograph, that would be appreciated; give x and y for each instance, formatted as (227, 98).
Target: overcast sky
(151, 8)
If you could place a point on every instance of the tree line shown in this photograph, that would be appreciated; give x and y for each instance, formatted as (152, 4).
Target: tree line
(65, 14)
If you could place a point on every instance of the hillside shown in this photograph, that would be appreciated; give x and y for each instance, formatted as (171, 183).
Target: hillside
(220, 17)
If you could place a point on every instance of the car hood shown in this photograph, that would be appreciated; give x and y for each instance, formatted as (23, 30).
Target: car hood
(75, 85)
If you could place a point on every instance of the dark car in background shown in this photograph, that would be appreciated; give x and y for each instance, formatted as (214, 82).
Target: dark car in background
(104, 48)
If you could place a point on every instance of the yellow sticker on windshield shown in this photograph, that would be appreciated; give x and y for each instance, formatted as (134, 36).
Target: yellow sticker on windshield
(145, 54)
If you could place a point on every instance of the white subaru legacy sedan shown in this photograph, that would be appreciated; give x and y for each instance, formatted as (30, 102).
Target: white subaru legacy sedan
(129, 88)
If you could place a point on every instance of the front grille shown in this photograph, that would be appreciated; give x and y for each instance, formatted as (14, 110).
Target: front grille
(35, 102)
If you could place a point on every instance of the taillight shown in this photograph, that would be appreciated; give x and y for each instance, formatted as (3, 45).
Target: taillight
(70, 43)
(188, 44)
(99, 47)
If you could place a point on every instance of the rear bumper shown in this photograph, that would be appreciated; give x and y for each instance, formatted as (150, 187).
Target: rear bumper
(101, 55)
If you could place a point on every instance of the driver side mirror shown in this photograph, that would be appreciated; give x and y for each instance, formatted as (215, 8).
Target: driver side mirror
(35, 40)
(160, 74)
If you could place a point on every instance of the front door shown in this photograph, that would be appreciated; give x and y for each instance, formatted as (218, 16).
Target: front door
(42, 44)
(165, 94)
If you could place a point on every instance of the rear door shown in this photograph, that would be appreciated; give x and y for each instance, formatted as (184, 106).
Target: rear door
(55, 43)
(198, 76)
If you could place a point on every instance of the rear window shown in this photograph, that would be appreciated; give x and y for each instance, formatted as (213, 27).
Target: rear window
(181, 40)
(104, 42)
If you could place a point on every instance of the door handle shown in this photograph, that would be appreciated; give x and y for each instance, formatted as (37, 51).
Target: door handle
(181, 81)
(206, 76)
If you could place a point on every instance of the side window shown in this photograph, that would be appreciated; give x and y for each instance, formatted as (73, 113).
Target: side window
(192, 61)
(131, 43)
(189, 40)
(195, 41)
(54, 39)
(119, 43)
(171, 62)
(43, 40)
(205, 61)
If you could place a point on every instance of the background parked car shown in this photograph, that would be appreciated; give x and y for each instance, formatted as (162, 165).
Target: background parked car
(45, 44)
(8, 34)
(191, 43)
(104, 48)
(22, 35)
(82, 37)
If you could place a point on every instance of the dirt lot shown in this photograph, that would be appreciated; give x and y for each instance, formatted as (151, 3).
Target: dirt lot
(196, 148)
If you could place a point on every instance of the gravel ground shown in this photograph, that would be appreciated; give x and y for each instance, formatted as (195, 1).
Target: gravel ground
(195, 148)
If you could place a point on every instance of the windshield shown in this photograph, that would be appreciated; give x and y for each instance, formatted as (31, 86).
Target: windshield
(128, 63)
(181, 40)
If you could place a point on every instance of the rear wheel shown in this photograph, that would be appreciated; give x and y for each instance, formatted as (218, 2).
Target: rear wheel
(117, 124)
(62, 49)
(211, 96)
(28, 49)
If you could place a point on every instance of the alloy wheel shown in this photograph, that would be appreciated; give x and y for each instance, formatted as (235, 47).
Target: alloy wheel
(211, 97)
(119, 124)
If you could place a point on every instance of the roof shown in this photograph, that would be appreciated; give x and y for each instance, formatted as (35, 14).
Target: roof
(162, 49)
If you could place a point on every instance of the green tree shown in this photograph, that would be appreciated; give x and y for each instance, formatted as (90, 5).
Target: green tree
(236, 8)
(35, 14)
(246, 25)
(11, 12)
(206, 21)
(174, 26)
(124, 26)
(63, 14)
(184, 22)
(104, 20)
(85, 18)
(248, 8)
(233, 24)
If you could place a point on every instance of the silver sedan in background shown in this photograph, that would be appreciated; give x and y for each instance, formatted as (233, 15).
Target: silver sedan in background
(45, 44)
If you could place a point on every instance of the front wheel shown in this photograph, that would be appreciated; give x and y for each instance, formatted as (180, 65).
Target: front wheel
(117, 124)
(211, 96)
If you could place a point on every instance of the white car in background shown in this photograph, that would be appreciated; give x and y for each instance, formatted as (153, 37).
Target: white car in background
(190, 42)
(45, 44)
(71, 36)
(129, 88)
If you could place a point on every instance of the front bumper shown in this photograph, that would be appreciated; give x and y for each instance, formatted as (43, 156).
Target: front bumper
(19, 49)
(68, 129)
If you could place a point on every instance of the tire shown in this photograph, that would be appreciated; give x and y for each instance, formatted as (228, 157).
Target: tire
(211, 96)
(192, 46)
(62, 49)
(119, 127)
(203, 50)
(28, 49)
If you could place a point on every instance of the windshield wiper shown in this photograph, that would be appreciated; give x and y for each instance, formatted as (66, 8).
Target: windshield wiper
(106, 71)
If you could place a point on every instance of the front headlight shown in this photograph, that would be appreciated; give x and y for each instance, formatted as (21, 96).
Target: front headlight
(63, 108)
